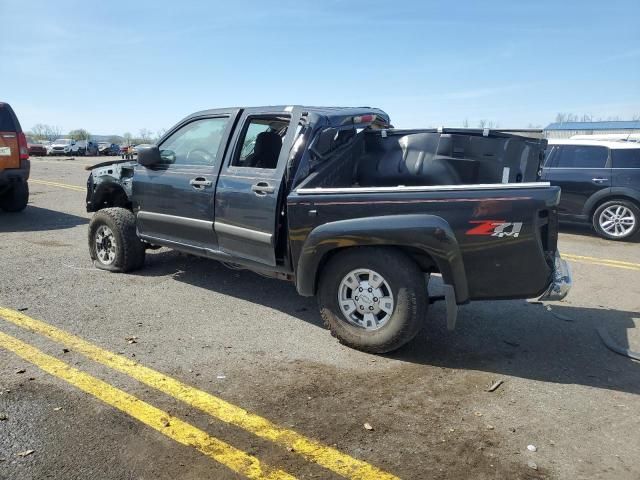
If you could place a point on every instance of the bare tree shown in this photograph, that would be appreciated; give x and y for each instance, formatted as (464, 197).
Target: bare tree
(465, 123)
(41, 131)
(487, 124)
(160, 133)
(145, 135)
(127, 138)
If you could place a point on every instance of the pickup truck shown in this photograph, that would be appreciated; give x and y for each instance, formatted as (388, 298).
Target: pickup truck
(343, 205)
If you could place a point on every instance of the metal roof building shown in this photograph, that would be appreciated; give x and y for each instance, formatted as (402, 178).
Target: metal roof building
(568, 129)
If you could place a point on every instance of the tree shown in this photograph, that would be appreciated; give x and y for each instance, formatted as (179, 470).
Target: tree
(114, 139)
(79, 134)
(127, 138)
(487, 124)
(160, 133)
(41, 131)
(145, 135)
(465, 123)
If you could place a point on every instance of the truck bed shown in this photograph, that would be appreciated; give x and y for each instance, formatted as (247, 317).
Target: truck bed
(385, 158)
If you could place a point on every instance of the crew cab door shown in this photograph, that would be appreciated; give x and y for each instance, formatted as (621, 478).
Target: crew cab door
(174, 200)
(248, 210)
(580, 171)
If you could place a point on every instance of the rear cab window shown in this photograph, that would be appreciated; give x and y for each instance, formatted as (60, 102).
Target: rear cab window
(625, 158)
(7, 123)
(580, 156)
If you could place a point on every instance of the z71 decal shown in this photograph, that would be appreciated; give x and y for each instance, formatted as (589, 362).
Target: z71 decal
(496, 228)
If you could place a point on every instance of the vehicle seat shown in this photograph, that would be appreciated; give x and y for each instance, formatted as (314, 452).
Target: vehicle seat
(266, 150)
(409, 160)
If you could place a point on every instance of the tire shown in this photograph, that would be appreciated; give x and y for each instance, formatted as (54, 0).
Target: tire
(401, 277)
(113, 242)
(16, 199)
(617, 219)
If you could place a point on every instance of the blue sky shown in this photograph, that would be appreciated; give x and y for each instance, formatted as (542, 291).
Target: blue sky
(119, 66)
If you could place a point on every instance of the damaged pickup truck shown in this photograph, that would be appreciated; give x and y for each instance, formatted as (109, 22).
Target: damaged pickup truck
(343, 205)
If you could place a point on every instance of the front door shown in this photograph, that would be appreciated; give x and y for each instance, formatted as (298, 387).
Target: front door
(580, 171)
(175, 200)
(250, 183)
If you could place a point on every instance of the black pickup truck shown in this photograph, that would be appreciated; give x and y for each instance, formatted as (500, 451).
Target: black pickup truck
(348, 208)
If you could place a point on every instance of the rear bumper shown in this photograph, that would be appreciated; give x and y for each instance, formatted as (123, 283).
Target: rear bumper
(561, 280)
(12, 175)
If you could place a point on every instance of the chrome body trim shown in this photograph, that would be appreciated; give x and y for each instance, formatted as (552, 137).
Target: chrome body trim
(424, 188)
(175, 219)
(255, 235)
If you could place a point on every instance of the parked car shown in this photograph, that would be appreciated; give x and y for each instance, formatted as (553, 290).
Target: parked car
(600, 183)
(349, 209)
(14, 162)
(63, 146)
(108, 149)
(36, 147)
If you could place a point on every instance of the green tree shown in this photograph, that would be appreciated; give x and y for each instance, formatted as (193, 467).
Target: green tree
(79, 134)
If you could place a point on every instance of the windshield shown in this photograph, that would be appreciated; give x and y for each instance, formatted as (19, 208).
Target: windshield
(64, 141)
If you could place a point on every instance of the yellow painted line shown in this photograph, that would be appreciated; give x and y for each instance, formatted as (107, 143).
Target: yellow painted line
(602, 261)
(311, 450)
(163, 422)
(62, 162)
(76, 188)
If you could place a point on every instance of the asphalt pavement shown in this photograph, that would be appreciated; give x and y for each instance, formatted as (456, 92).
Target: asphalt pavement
(186, 369)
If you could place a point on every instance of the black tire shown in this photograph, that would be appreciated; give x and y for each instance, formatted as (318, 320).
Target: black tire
(128, 252)
(16, 199)
(631, 211)
(407, 284)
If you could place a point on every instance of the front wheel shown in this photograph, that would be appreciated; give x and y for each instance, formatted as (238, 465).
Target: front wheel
(373, 298)
(617, 219)
(113, 242)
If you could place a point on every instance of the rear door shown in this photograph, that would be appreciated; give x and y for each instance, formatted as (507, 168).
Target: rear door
(250, 184)
(9, 128)
(175, 200)
(580, 171)
(625, 168)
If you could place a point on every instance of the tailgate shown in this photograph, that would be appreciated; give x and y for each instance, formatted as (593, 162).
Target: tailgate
(9, 151)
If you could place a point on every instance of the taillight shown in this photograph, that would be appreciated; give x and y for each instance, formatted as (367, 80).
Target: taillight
(23, 147)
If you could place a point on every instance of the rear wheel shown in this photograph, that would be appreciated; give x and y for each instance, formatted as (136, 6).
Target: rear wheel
(617, 219)
(373, 298)
(16, 199)
(113, 242)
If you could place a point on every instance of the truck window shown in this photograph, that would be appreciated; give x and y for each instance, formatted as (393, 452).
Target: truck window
(627, 158)
(581, 156)
(195, 143)
(260, 142)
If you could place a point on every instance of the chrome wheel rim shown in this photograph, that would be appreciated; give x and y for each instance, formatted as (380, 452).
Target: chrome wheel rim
(617, 220)
(365, 299)
(105, 245)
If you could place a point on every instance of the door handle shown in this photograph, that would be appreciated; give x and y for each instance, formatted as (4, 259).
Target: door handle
(200, 182)
(599, 180)
(262, 188)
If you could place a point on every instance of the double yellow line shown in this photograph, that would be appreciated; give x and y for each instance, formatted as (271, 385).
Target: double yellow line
(606, 262)
(180, 431)
(57, 184)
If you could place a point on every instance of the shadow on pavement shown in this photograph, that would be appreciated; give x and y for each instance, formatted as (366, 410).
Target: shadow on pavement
(517, 338)
(37, 219)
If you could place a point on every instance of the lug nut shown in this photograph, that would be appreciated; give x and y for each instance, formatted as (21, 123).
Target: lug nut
(356, 297)
(370, 289)
(370, 308)
(375, 299)
(361, 307)
(360, 289)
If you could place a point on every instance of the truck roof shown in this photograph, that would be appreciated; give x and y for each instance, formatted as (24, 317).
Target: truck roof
(334, 115)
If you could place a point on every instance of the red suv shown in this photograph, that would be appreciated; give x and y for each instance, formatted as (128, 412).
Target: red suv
(14, 162)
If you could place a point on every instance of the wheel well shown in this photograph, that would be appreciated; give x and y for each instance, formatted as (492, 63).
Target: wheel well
(113, 195)
(609, 199)
(423, 259)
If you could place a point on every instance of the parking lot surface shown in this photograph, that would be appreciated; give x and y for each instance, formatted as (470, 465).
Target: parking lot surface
(186, 369)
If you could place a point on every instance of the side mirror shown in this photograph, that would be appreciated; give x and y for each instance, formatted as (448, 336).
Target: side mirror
(149, 156)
